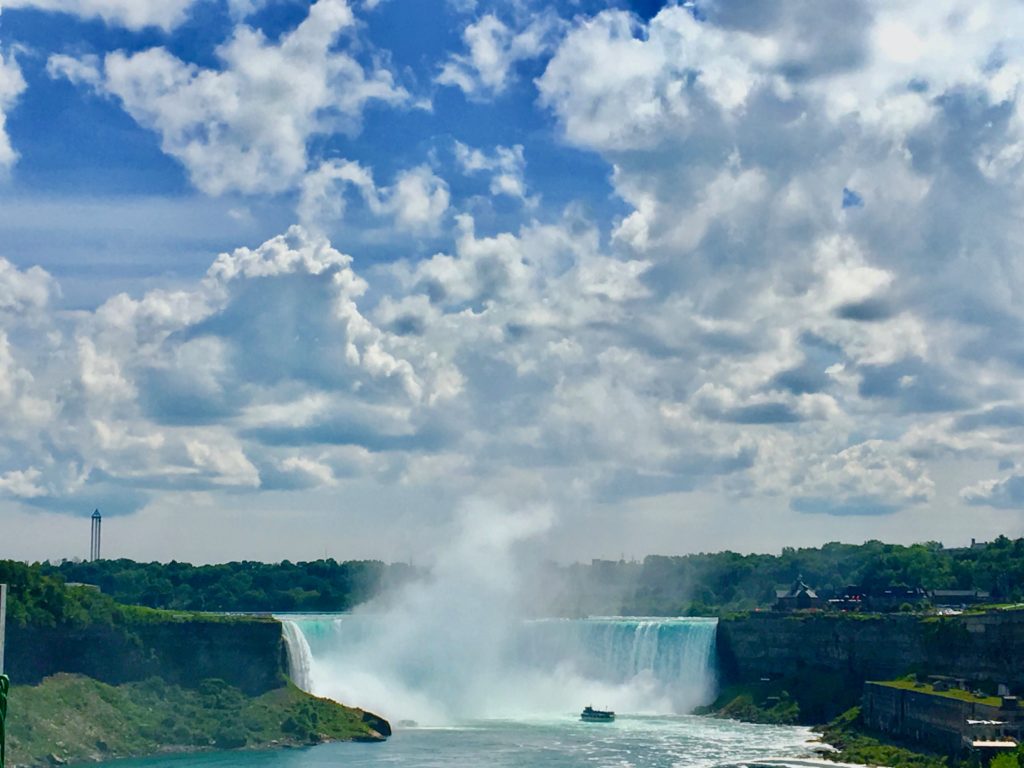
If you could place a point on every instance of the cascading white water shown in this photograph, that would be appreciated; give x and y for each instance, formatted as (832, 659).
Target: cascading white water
(533, 668)
(673, 652)
(300, 656)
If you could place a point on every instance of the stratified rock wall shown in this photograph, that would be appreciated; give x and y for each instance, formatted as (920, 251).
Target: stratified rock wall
(246, 653)
(857, 648)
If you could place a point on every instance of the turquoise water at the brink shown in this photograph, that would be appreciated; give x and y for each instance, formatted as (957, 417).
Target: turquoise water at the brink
(630, 742)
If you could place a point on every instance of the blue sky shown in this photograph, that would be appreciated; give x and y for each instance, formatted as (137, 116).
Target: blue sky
(693, 276)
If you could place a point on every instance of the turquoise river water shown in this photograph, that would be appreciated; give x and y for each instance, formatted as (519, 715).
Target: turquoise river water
(640, 742)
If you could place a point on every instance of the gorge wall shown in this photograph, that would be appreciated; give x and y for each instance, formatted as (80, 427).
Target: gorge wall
(246, 652)
(827, 657)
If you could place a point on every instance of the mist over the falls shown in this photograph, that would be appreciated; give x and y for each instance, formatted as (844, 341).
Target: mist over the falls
(465, 642)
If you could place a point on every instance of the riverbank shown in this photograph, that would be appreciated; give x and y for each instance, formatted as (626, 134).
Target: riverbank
(70, 719)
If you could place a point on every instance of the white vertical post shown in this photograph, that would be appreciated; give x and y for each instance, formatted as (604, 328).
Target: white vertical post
(3, 623)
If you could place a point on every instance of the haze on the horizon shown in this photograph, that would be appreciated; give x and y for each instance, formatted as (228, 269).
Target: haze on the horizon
(287, 279)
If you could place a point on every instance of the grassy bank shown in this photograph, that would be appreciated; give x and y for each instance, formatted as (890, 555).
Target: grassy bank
(75, 719)
(949, 693)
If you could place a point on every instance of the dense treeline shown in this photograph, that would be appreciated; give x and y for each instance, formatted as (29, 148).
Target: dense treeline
(40, 599)
(708, 583)
(699, 584)
(321, 585)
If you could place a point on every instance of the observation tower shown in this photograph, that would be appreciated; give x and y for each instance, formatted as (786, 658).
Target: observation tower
(94, 541)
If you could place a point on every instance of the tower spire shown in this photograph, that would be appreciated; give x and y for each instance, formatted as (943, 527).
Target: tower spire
(94, 541)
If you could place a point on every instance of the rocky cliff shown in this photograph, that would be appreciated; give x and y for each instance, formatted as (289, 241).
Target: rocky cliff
(182, 649)
(827, 657)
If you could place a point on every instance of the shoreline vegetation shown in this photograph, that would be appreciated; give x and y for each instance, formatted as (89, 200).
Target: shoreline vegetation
(72, 719)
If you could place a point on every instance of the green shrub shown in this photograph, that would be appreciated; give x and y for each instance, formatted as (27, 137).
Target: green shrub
(229, 737)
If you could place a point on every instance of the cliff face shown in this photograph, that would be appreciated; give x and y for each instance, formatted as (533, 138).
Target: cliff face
(246, 653)
(828, 657)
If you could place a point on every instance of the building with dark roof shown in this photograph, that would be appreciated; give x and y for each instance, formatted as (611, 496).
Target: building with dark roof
(797, 598)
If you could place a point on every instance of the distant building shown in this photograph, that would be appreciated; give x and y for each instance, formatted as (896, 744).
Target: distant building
(887, 598)
(960, 723)
(850, 598)
(797, 598)
(895, 597)
(976, 546)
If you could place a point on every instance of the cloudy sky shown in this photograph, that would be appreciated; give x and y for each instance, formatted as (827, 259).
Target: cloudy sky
(285, 278)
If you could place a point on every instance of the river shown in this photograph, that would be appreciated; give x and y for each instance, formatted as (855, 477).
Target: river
(630, 742)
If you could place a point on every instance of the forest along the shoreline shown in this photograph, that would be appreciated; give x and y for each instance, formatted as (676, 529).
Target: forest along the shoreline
(697, 585)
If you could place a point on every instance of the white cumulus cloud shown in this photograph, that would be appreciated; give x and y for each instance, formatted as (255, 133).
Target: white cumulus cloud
(416, 202)
(505, 165)
(493, 50)
(1005, 493)
(12, 85)
(245, 127)
(133, 14)
(807, 294)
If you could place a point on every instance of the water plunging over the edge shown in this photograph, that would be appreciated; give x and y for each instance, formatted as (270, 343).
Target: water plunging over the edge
(300, 656)
(534, 669)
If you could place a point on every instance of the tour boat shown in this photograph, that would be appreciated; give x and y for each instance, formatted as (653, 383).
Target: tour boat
(591, 715)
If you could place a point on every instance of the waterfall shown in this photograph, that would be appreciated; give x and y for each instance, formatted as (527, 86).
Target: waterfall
(300, 656)
(533, 668)
(674, 652)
